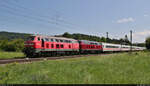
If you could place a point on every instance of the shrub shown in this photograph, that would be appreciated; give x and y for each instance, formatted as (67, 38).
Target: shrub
(14, 45)
(148, 43)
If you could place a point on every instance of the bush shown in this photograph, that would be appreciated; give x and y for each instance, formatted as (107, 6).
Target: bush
(15, 45)
(148, 43)
(18, 44)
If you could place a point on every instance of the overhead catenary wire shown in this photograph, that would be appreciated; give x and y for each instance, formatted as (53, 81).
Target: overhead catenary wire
(57, 21)
(11, 12)
(50, 9)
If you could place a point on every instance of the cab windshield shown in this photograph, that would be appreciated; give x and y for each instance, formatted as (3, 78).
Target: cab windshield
(31, 38)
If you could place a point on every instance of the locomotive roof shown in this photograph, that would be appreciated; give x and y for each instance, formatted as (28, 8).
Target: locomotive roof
(54, 37)
(89, 42)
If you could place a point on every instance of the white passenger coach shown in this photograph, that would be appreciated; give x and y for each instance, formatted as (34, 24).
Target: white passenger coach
(119, 47)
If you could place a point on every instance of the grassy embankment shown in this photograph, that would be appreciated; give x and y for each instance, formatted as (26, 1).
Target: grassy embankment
(7, 55)
(122, 68)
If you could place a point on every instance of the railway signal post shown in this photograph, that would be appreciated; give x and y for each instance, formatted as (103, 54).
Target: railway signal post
(131, 40)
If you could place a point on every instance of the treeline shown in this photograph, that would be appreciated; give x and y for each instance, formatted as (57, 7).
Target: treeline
(78, 36)
(139, 44)
(11, 35)
(16, 45)
(15, 41)
(10, 41)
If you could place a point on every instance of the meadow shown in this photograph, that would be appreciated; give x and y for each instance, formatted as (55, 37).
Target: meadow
(122, 68)
(8, 55)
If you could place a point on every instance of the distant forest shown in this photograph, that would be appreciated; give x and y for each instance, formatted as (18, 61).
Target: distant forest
(14, 35)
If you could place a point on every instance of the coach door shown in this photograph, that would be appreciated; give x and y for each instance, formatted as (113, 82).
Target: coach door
(42, 44)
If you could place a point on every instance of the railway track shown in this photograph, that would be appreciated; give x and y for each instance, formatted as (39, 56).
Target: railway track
(23, 60)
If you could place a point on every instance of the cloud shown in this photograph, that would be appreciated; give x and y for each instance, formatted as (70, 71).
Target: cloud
(125, 20)
(145, 15)
(141, 36)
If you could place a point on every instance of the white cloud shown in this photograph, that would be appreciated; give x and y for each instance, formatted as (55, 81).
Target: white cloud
(145, 15)
(125, 20)
(141, 36)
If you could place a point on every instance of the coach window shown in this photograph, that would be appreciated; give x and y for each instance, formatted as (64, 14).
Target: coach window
(62, 46)
(47, 45)
(52, 45)
(57, 45)
(38, 38)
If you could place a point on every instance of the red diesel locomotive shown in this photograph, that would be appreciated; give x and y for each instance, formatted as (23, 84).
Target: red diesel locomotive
(38, 45)
(90, 46)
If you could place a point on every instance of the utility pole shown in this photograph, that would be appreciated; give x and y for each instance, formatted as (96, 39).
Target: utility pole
(106, 36)
(131, 40)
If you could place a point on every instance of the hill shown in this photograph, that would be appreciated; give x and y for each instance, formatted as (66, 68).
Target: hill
(13, 35)
(77, 36)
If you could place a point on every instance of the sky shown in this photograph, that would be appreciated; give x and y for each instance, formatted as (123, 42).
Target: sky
(92, 17)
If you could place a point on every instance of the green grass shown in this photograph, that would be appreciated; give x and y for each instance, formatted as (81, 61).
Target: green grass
(7, 55)
(122, 68)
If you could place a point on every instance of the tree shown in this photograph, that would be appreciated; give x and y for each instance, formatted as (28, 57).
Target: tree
(66, 34)
(126, 40)
(18, 44)
(103, 39)
(147, 43)
(3, 44)
(14, 45)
